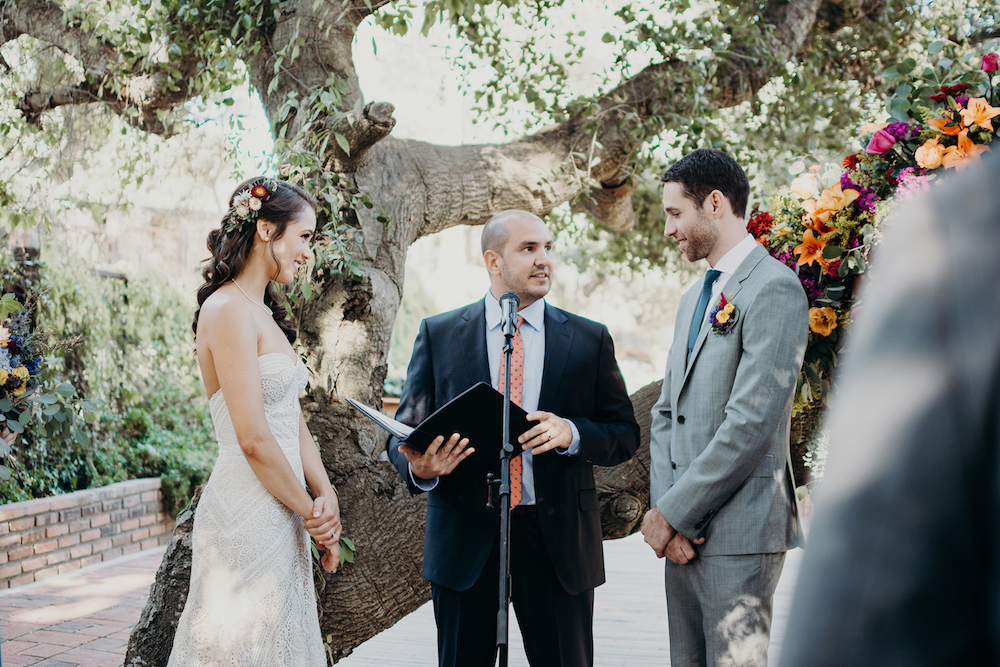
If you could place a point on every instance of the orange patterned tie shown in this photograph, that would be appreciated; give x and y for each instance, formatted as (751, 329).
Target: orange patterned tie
(516, 397)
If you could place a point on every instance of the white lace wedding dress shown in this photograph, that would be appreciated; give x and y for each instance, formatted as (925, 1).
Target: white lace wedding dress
(251, 602)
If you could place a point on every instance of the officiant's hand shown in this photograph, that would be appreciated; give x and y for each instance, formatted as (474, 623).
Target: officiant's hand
(440, 458)
(550, 432)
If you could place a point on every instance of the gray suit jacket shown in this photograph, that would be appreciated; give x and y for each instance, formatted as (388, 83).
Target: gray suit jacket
(719, 436)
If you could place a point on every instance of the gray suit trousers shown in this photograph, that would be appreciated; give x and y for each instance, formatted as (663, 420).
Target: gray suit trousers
(719, 609)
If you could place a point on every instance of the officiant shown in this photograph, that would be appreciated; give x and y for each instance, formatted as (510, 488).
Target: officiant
(564, 374)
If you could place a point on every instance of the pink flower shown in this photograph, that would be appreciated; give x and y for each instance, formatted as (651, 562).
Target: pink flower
(990, 62)
(880, 143)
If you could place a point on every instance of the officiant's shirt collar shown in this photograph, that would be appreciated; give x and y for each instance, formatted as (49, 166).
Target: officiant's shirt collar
(732, 259)
(533, 314)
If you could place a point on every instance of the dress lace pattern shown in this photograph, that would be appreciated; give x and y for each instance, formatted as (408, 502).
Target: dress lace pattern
(251, 601)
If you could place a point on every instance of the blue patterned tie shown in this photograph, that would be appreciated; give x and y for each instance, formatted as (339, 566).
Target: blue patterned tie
(699, 313)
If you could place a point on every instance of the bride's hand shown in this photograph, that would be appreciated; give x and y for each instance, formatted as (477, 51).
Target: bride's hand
(325, 526)
(331, 559)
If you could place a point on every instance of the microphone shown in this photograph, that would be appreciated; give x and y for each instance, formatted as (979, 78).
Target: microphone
(508, 306)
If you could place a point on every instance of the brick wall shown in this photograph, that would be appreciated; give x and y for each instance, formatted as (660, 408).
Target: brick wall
(49, 536)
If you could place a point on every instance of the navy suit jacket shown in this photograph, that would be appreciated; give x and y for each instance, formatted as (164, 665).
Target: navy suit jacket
(580, 382)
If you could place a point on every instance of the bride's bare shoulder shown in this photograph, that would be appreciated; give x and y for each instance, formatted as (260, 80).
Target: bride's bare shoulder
(223, 310)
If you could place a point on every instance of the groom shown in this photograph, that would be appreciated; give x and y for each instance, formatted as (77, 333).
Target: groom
(723, 500)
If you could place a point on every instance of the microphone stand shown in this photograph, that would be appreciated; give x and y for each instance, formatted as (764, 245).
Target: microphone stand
(507, 452)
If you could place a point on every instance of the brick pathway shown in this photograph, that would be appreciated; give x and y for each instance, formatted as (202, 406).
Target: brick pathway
(85, 618)
(82, 618)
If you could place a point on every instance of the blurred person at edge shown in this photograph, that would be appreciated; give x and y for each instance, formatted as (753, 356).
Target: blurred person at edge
(902, 564)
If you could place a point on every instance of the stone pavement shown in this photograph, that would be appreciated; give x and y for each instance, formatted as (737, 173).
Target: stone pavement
(81, 618)
(85, 618)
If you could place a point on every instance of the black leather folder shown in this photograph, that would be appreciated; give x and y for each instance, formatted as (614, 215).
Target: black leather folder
(475, 414)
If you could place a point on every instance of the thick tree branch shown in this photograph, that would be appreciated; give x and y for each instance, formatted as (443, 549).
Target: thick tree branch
(362, 130)
(46, 22)
(540, 172)
(136, 97)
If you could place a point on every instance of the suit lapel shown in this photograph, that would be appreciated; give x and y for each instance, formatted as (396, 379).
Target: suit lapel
(733, 287)
(558, 343)
(471, 335)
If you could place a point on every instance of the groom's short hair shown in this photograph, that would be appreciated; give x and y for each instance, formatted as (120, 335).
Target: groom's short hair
(707, 169)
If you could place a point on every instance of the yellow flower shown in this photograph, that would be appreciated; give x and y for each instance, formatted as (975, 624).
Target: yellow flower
(822, 320)
(929, 154)
(811, 250)
(831, 201)
(729, 308)
(20, 372)
(980, 112)
(3, 376)
(722, 317)
(964, 155)
(20, 390)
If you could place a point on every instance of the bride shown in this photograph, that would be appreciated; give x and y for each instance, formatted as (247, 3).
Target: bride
(251, 601)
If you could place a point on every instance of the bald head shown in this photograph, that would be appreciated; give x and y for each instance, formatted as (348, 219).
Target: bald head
(496, 232)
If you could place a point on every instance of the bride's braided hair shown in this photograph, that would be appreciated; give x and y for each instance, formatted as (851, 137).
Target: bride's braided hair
(232, 242)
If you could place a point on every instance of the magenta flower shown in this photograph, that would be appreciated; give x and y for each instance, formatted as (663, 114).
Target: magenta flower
(880, 143)
(990, 63)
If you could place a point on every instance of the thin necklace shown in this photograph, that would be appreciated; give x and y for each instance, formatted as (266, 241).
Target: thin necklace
(266, 309)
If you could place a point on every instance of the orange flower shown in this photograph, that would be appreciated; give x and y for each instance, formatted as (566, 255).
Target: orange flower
(964, 155)
(929, 154)
(811, 250)
(829, 202)
(941, 125)
(822, 320)
(979, 112)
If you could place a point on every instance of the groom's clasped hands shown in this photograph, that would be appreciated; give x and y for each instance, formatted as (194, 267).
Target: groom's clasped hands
(326, 529)
(666, 541)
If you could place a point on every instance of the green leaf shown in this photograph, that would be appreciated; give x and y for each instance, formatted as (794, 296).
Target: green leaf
(832, 252)
(81, 437)
(66, 389)
(6, 404)
(24, 418)
(229, 101)
(4, 473)
(342, 142)
(935, 47)
(906, 66)
(14, 427)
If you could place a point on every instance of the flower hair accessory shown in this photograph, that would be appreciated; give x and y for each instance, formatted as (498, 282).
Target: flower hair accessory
(247, 203)
(723, 316)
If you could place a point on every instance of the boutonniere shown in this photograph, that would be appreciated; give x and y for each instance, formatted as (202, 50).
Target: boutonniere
(723, 316)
